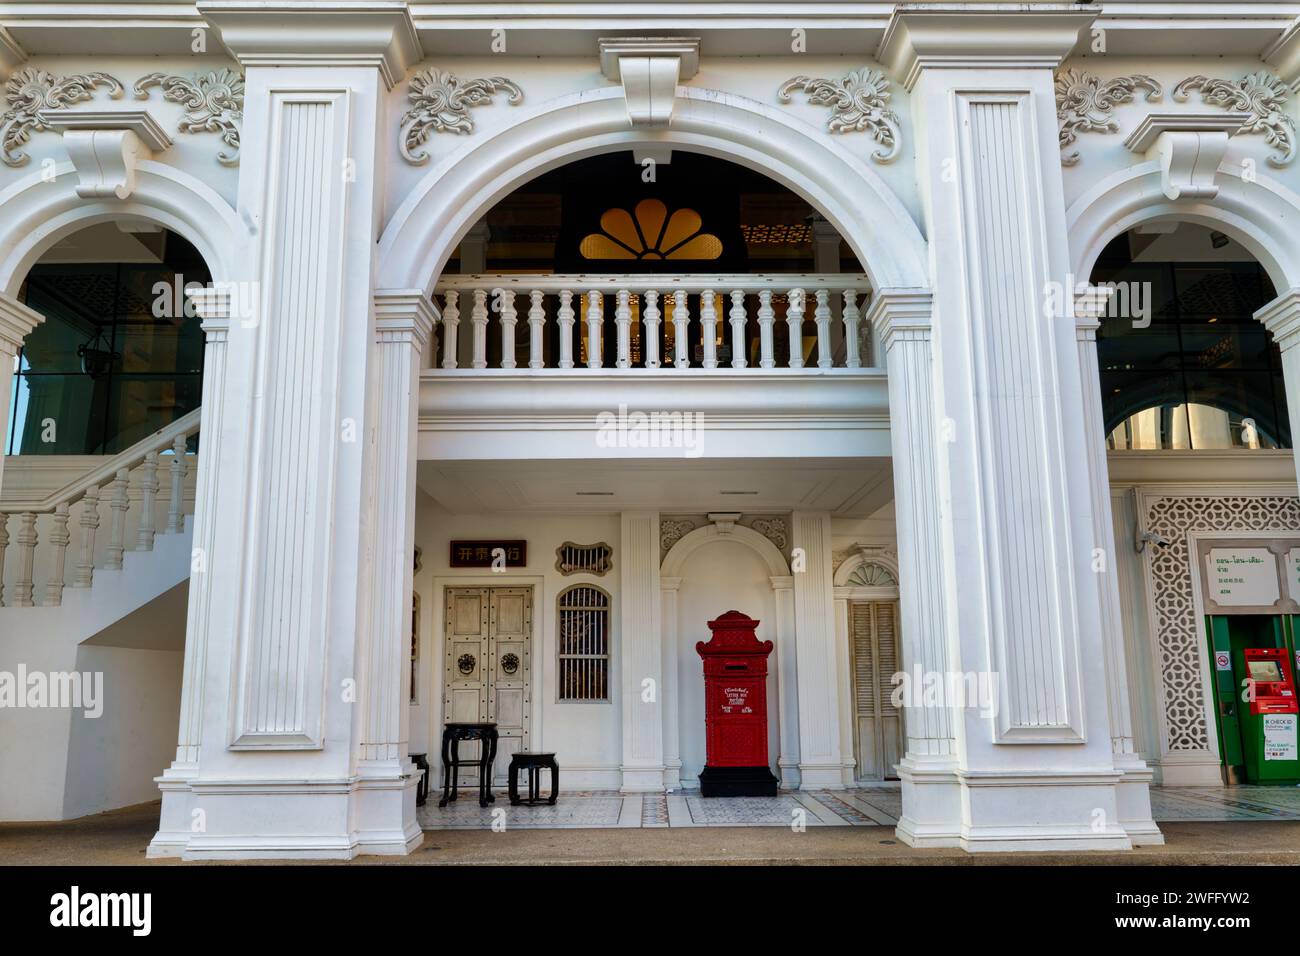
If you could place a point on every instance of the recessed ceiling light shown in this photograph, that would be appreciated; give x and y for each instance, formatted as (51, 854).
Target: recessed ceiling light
(737, 492)
(596, 493)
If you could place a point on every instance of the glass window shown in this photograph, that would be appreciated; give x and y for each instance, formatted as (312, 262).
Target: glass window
(116, 358)
(1184, 364)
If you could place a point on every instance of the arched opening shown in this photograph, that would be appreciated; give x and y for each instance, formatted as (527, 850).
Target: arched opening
(1183, 363)
(616, 261)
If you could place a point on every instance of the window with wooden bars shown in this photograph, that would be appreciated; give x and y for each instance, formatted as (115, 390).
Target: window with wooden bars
(584, 643)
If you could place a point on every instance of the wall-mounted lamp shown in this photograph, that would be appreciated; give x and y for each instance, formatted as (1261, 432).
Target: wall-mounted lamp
(1142, 538)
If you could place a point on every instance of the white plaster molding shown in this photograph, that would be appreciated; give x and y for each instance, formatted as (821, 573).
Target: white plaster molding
(1283, 55)
(675, 561)
(404, 313)
(374, 33)
(1189, 147)
(980, 36)
(105, 147)
(725, 522)
(213, 102)
(16, 322)
(442, 101)
(1262, 97)
(1084, 104)
(900, 312)
(859, 100)
(12, 54)
(649, 68)
(32, 95)
(1282, 318)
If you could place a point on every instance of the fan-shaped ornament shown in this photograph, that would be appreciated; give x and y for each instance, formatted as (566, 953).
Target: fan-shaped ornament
(650, 233)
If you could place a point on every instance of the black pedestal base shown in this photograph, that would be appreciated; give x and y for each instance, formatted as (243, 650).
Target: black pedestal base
(737, 782)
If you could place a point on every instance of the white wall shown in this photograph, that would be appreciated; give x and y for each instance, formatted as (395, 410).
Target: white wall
(586, 737)
(721, 576)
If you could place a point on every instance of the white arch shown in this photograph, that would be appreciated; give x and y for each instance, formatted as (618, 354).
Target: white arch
(36, 213)
(459, 190)
(677, 556)
(851, 564)
(1263, 216)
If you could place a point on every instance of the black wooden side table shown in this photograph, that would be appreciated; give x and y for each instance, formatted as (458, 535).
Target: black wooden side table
(452, 735)
(421, 762)
(533, 763)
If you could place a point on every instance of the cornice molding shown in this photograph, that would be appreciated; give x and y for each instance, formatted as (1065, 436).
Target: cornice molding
(12, 55)
(1282, 318)
(16, 323)
(1038, 34)
(379, 33)
(893, 311)
(1283, 55)
(404, 315)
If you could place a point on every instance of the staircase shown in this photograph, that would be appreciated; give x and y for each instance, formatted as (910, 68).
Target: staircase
(93, 582)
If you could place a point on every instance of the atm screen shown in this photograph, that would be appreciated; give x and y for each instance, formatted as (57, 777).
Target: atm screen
(1264, 672)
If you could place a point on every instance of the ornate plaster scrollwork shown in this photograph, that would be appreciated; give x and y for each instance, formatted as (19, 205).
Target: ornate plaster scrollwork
(442, 102)
(32, 91)
(213, 103)
(859, 100)
(671, 531)
(773, 529)
(1084, 103)
(1259, 94)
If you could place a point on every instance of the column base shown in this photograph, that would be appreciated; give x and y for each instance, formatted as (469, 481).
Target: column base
(828, 776)
(788, 773)
(1041, 811)
(301, 819)
(1133, 796)
(643, 780)
(932, 804)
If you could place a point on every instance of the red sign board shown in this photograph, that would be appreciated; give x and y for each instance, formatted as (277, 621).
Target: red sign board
(735, 709)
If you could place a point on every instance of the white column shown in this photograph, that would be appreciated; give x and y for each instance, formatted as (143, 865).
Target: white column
(1282, 318)
(816, 666)
(786, 662)
(931, 794)
(403, 323)
(844, 668)
(16, 323)
(640, 654)
(1021, 601)
(292, 563)
(1134, 791)
(668, 588)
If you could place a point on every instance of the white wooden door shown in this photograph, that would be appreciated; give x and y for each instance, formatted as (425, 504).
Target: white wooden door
(877, 723)
(488, 668)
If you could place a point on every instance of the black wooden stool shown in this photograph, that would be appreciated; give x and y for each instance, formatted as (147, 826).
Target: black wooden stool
(533, 763)
(452, 735)
(421, 762)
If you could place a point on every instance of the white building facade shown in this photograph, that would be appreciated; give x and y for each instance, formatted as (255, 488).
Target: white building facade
(533, 338)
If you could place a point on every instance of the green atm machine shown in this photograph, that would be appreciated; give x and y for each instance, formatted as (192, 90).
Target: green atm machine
(1253, 660)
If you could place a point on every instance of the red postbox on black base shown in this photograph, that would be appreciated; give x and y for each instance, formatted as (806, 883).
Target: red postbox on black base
(735, 710)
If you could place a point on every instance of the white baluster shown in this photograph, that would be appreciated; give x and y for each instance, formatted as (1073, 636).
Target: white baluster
(681, 330)
(595, 315)
(794, 324)
(536, 325)
(58, 537)
(176, 505)
(766, 316)
(84, 572)
(737, 317)
(478, 318)
(822, 316)
(450, 325)
(650, 320)
(852, 358)
(117, 528)
(4, 546)
(149, 490)
(509, 319)
(623, 327)
(565, 318)
(26, 539)
(709, 327)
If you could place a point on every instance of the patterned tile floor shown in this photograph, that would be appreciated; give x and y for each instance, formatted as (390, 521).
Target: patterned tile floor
(868, 806)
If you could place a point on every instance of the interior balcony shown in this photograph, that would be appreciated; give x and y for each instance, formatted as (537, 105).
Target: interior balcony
(665, 366)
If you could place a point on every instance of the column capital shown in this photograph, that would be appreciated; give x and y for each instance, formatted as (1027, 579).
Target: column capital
(16, 323)
(11, 54)
(404, 315)
(1035, 34)
(378, 33)
(1282, 318)
(894, 311)
(213, 304)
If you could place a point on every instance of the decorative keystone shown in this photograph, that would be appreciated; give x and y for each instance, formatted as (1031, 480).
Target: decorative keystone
(649, 69)
(1190, 147)
(105, 146)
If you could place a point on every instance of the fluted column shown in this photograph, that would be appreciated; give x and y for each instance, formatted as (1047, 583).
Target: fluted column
(641, 654)
(1133, 793)
(816, 669)
(16, 323)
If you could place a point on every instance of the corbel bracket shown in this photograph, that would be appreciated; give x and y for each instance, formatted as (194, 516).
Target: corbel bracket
(105, 146)
(1190, 147)
(649, 69)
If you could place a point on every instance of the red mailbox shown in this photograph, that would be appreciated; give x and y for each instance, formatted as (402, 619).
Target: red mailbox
(735, 710)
